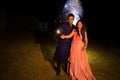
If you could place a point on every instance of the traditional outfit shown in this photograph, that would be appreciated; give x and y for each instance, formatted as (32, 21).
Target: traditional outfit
(79, 68)
(63, 47)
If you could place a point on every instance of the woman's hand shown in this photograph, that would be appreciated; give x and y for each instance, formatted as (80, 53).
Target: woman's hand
(84, 48)
(62, 36)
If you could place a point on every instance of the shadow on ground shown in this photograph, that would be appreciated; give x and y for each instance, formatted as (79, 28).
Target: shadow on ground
(47, 43)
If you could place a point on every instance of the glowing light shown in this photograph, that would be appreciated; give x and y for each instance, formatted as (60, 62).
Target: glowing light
(74, 7)
(58, 31)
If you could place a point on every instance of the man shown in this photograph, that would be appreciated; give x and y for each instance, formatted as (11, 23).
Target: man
(64, 45)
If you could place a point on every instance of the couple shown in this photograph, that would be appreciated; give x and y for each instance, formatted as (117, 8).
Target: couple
(71, 51)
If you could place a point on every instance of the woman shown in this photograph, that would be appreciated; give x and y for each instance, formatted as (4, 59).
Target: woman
(79, 68)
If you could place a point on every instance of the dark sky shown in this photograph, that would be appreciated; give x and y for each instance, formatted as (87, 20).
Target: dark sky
(40, 8)
(49, 9)
(100, 15)
(96, 12)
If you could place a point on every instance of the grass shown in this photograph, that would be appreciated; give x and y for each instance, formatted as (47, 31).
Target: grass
(104, 61)
(22, 59)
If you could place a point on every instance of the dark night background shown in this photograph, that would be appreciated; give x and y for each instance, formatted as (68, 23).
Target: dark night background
(21, 58)
(100, 16)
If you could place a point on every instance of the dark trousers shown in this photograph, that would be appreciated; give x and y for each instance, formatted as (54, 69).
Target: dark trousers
(59, 66)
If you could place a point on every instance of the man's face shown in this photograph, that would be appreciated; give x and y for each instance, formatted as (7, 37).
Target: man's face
(70, 20)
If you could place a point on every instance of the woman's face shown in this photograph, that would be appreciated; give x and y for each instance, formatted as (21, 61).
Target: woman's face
(79, 25)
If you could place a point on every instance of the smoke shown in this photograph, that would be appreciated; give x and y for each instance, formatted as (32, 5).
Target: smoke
(74, 7)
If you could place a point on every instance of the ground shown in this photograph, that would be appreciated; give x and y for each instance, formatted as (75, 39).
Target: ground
(21, 58)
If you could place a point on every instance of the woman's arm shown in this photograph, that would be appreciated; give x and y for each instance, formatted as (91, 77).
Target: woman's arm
(86, 39)
(68, 36)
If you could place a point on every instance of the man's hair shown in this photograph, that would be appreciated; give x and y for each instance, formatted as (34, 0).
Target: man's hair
(70, 15)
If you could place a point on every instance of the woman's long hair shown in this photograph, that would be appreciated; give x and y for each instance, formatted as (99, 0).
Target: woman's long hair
(83, 29)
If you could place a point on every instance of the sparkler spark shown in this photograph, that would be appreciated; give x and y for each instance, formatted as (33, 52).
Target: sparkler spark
(58, 31)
